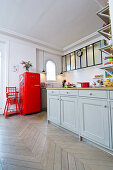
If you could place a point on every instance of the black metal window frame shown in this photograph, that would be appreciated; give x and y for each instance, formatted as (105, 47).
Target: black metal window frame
(75, 56)
(74, 60)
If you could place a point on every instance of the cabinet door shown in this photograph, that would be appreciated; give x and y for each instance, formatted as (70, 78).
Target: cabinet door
(53, 109)
(69, 118)
(112, 122)
(94, 120)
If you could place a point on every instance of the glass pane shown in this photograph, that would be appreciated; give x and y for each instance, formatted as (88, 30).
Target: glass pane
(83, 57)
(77, 62)
(51, 70)
(72, 61)
(90, 55)
(68, 62)
(63, 63)
(97, 53)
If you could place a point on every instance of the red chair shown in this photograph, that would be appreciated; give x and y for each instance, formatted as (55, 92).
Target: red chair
(11, 99)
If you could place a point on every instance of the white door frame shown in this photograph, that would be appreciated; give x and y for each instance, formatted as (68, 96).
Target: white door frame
(6, 51)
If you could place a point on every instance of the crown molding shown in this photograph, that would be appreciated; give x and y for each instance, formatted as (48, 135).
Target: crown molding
(90, 36)
(99, 4)
(43, 44)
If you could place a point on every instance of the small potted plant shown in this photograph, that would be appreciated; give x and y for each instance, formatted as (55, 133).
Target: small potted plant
(27, 65)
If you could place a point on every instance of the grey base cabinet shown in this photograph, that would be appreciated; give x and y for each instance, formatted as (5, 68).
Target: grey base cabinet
(43, 99)
(94, 120)
(69, 117)
(53, 109)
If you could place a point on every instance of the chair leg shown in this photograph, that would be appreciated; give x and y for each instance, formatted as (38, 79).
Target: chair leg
(16, 108)
(19, 109)
(6, 110)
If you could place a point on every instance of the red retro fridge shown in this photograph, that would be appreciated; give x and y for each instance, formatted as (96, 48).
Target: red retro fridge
(30, 95)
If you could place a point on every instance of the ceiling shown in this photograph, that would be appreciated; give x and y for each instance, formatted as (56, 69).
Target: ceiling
(57, 22)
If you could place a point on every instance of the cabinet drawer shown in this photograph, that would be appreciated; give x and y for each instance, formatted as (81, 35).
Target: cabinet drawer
(50, 92)
(93, 93)
(111, 94)
(69, 92)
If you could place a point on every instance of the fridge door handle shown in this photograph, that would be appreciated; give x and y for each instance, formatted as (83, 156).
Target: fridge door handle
(37, 85)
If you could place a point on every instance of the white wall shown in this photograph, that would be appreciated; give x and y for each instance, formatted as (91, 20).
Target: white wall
(2, 74)
(39, 63)
(17, 51)
(14, 52)
(47, 56)
(83, 75)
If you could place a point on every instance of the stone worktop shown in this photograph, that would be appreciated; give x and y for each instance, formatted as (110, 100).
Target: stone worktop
(79, 88)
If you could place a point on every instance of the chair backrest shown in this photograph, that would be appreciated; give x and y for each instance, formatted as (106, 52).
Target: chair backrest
(10, 89)
(11, 92)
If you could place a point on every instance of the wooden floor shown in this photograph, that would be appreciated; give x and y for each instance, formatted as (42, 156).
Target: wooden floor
(29, 143)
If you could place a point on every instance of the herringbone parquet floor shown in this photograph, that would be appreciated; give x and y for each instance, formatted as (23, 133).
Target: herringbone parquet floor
(29, 143)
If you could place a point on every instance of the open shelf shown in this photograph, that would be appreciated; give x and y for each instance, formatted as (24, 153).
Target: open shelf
(97, 78)
(106, 31)
(107, 49)
(108, 69)
(104, 14)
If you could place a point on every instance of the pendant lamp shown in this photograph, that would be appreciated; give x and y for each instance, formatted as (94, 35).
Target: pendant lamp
(43, 71)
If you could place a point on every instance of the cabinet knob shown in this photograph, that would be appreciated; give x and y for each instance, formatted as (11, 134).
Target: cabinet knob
(105, 106)
(90, 94)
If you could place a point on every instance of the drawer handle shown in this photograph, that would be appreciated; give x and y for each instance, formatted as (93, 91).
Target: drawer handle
(52, 91)
(90, 94)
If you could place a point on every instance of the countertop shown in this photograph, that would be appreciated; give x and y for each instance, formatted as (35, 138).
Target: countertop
(43, 88)
(79, 88)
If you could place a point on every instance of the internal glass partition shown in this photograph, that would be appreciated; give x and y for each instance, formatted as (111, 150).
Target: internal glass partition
(63, 63)
(90, 61)
(82, 58)
(97, 53)
(68, 61)
(73, 61)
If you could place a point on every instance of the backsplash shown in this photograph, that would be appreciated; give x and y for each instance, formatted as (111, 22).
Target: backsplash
(83, 75)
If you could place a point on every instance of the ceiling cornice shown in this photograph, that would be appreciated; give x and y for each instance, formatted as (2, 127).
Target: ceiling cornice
(14, 34)
(99, 4)
(93, 35)
(43, 45)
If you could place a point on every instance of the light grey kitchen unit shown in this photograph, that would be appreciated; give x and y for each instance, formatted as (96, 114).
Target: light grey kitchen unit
(88, 112)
